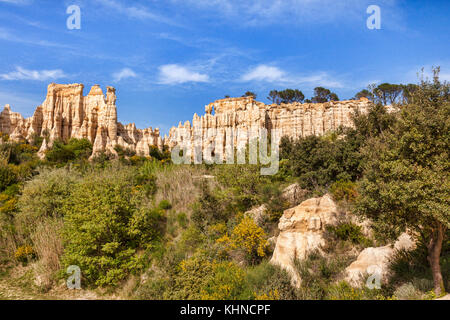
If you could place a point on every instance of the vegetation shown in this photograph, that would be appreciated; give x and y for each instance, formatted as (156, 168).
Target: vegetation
(406, 182)
(141, 227)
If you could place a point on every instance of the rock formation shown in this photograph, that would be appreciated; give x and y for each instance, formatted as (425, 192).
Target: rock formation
(375, 261)
(66, 114)
(301, 231)
(244, 115)
(293, 194)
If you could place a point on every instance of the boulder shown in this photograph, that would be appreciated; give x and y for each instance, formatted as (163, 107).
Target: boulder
(293, 194)
(301, 231)
(375, 261)
(258, 214)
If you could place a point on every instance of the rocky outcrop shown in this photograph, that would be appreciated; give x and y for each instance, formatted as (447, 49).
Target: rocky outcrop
(231, 121)
(258, 214)
(375, 261)
(301, 231)
(66, 113)
(293, 194)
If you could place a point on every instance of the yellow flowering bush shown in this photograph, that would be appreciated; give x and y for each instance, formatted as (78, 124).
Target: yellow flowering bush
(271, 295)
(248, 237)
(24, 253)
(228, 282)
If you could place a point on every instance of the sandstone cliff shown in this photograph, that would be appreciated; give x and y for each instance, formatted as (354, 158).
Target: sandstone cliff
(66, 114)
(244, 115)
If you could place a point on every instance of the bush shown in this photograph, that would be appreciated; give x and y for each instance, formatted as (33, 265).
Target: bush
(344, 190)
(191, 278)
(318, 272)
(348, 231)
(7, 176)
(165, 205)
(227, 283)
(408, 291)
(268, 281)
(105, 226)
(320, 161)
(344, 291)
(24, 253)
(208, 209)
(74, 149)
(247, 237)
(182, 219)
(44, 197)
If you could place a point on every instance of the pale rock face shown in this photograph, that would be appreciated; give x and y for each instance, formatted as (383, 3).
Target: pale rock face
(375, 261)
(301, 231)
(258, 214)
(293, 194)
(227, 123)
(243, 115)
(66, 114)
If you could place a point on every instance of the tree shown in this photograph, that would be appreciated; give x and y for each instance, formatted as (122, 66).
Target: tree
(249, 94)
(407, 91)
(274, 97)
(286, 96)
(322, 95)
(387, 93)
(364, 93)
(406, 181)
(291, 95)
(333, 97)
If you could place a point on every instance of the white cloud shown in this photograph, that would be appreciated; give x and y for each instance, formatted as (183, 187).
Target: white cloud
(8, 36)
(141, 12)
(20, 2)
(176, 74)
(39, 75)
(265, 73)
(264, 12)
(123, 74)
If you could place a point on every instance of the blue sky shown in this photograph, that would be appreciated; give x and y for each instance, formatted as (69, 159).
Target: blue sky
(169, 58)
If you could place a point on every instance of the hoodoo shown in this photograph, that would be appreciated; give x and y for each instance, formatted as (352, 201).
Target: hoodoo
(66, 113)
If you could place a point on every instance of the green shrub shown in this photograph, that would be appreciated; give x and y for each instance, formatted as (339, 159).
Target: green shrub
(74, 149)
(344, 291)
(227, 283)
(165, 205)
(318, 272)
(44, 197)
(182, 219)
(348, 231)
(106, 225)
(191, 278)
(265, 278)
(413, 266)
(208, 209)
(344, 190)
(7, 176)
(124, 152)
(155, 288)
